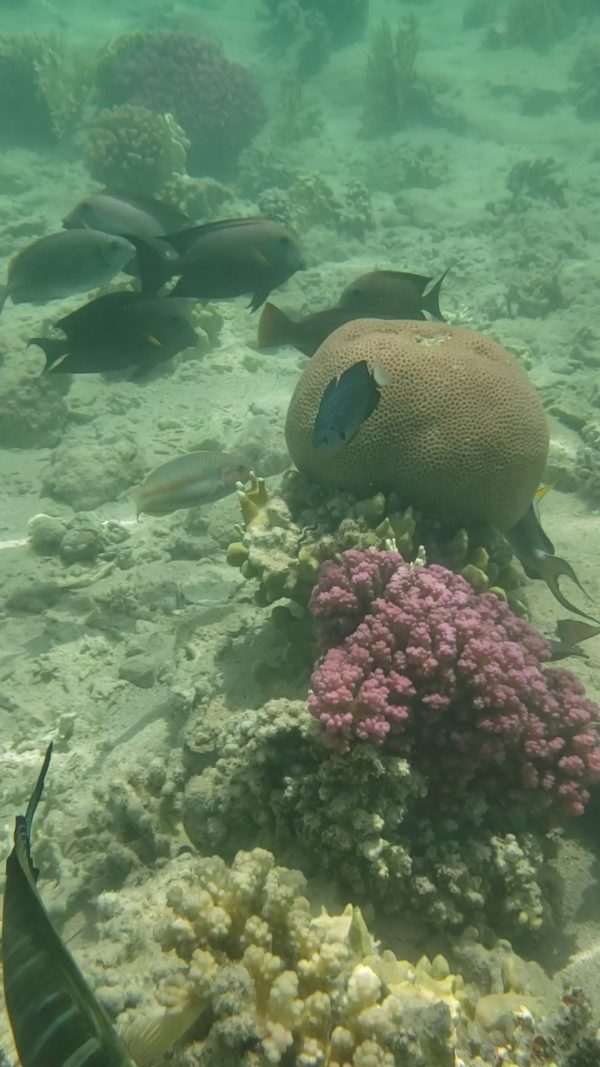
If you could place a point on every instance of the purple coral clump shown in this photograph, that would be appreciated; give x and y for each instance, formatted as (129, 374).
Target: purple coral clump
(451, 679)
(217, 102)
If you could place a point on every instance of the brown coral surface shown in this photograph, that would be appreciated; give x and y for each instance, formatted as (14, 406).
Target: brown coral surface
(459, 429)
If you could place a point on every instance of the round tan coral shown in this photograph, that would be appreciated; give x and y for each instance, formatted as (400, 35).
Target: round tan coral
(459, 429)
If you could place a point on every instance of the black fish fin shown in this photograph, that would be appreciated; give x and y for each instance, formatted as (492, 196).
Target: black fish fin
(550, 569)
(431, 300)
(183, 240)
(24, 823)
(155, 268)
(3, 295)
(258, 298)
(420, 281)
(54, 348)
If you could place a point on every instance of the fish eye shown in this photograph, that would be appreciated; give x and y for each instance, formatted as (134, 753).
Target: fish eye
(284, 240)
(115, 245)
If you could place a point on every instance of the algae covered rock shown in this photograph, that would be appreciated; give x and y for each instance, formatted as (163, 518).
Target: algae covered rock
(94, 474)
(135, 150)
(33, 412)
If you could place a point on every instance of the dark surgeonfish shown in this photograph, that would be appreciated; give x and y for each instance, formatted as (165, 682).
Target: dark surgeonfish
(219, 260)
(63, 263)
(118, 331)
(535, 552)
(275, 328)
(393, 294)
(346, 404)
(187, 481)
(118, 214)
(55, 1018)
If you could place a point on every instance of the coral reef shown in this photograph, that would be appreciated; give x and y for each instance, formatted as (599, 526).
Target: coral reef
(303, 525)
(217, 103)
(274, 983)
(310, 29)
(198, 198)
(310, 201)
(438, 423)
(41, 87)
(369, 821)
(415, 659)
(135, 150)
(535, 179)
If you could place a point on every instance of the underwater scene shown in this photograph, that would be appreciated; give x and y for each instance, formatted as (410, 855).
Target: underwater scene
(300, 533)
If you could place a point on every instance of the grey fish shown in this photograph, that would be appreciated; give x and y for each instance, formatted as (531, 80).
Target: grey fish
(347, 402)
(536, 554)
(394, 294)
(55, 1018)
(188, 480)
(63, 263)
(118, 214)
(223, 259)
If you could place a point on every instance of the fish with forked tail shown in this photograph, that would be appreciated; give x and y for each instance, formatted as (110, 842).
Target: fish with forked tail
(55, 1018)
(141, 216)
(118, 331)
(535, 552)
(394, 294)
(275, 328)
(222, 259)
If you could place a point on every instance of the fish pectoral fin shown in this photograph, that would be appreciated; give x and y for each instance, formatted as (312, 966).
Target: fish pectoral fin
(147, 1039)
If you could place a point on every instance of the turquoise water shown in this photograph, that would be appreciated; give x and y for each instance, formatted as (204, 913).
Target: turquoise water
(169, 655)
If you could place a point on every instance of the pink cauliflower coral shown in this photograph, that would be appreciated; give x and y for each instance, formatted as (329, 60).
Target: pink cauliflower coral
(449, 678)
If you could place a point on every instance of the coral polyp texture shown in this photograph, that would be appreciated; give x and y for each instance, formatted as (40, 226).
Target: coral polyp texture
(135, 150)
(452, 679)
(218, 103)
(459, 429)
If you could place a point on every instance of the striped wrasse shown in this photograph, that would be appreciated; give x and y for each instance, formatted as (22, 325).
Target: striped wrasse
(55, 1018)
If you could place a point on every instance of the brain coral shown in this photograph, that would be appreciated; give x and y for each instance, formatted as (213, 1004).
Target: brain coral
(218, 103)
(459, 429)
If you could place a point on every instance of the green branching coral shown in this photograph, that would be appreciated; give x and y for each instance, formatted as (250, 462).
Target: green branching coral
(135, 150)
(41, 88)
(368, 821)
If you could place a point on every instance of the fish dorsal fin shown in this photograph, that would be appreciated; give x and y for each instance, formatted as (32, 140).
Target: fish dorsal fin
(147, 1039)
(419, 281)
(100, 306)
(183, 240)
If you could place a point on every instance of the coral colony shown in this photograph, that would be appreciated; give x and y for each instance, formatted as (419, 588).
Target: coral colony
(416, 660)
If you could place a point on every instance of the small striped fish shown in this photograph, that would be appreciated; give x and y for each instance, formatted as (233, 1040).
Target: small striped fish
(55, 1018)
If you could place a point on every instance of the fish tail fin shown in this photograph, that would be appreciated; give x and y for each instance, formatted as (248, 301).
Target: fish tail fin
(551, 568)
(24, 822)
(155, 266)
(275, 328)
(431, 300)
(54, 348)
(3, 295)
